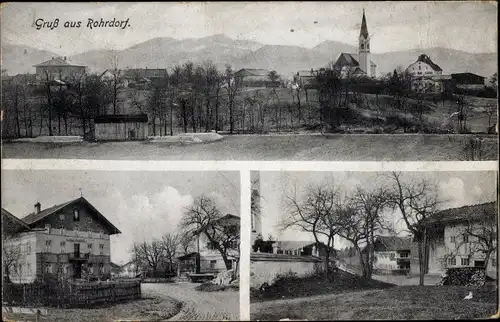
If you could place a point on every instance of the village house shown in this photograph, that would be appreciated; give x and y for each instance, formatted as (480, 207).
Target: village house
(121, 127)
(70, 239)
(130, 270)
(392, 254)
(452, 238)
(255, 78)
(468, 81)
(207, 259)
(59, 69)
(426, 76)
(355, 65)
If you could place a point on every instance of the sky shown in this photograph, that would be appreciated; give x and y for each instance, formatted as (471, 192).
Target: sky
(469, 26)
(455, 189)
(142, 205)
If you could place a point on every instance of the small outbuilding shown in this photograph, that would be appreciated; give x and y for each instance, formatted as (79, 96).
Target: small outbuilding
(121, 127)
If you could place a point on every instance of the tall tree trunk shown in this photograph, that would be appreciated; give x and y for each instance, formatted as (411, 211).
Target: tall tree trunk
(217, 112)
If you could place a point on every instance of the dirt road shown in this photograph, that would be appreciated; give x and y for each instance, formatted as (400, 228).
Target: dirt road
(197, 305)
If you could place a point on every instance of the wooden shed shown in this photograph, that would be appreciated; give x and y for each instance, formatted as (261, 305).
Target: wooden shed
(121, 127)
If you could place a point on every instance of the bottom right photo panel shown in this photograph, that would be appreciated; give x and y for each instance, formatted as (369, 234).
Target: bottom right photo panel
(373, 245)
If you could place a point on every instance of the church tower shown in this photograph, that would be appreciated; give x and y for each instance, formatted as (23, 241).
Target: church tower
(364, 48)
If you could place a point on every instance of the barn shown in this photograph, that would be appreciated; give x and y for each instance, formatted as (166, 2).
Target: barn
(121, 127)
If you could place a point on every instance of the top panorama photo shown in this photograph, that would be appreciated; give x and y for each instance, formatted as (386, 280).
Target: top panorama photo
(363, 81)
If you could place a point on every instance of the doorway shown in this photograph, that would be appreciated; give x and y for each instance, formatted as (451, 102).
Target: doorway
(131, 134)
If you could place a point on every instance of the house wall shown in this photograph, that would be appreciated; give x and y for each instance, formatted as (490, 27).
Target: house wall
(211, 260)
(25, 268)
(419, 69)
(121, 131)
(441, 248)
(265, 267)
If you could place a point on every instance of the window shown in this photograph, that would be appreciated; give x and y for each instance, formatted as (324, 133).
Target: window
(47, 228)
(452, 239)
(48, 246)
(63, 247)
(61, 217)
(368, 46)
(28, 247)
(100, 234)
(77, 231)
(452, 261)
(101, 249)
(91, 268)
(76, 215)
(101, 268)
(212, 264)
(419, 67)
(362, 46)
(391, 256)
(48, 268)
(404, 255)
(464, 262)
(466, 238)
(28, 269)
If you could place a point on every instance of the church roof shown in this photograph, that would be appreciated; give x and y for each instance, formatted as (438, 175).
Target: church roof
(349, 59)
(364, 29)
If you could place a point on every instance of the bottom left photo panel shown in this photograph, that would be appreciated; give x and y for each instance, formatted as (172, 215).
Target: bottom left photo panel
(120, 245)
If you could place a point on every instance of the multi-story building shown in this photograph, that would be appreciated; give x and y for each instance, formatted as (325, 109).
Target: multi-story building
(70, 239)
(459, 237)
(392, 254)
(426, 76)
(60, 69)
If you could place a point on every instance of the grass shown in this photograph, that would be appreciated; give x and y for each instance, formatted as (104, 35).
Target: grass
(209, 287)
(397, 303)
(294, 287)
(145, 309)
(268, 148)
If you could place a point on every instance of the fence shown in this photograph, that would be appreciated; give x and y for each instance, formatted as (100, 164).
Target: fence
(72, 294)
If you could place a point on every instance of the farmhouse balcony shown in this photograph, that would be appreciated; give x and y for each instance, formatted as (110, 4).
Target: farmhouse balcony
(78, 256)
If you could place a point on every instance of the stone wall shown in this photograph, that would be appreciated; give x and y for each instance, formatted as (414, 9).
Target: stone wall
(265, 267)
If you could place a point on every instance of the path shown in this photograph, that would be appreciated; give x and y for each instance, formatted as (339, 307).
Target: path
(197, 305)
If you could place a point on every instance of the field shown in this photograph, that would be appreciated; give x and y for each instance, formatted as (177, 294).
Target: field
(395, 303)
(337, 147)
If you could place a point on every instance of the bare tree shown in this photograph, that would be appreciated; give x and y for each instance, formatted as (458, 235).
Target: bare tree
(115, 82)
(318, 214)
(171, 243)
(149, 254)
(416, 200)
(203, 217)
(362, 223)
(186, 241)
(232, 84)
(11, 255)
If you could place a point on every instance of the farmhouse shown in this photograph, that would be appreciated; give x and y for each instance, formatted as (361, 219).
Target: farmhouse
(59, 68)
(392, 254)
(360, 64)
(255, 78)
(71, 239)
(121, 127)
(458, 237)
(207, 259)
(426, 76)
(130, 270)
(468, 80)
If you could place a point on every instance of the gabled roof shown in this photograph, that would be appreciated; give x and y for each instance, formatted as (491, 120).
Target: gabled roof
(461, 214)
(393, 243)
(121, 118)
(59, 61)
(188, 256)
(349, 59)
(12, 224)
(426, 59)
(254, 72)
(33, 218)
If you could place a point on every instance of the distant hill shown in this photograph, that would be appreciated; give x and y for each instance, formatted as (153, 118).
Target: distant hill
(18, 59)
(165, 52)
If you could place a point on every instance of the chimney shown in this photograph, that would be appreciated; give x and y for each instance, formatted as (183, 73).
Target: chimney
(38, 207)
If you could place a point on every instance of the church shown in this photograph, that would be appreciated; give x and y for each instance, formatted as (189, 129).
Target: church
(360, 64)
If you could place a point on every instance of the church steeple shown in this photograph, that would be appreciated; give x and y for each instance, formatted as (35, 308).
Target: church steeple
(364, 29)
(364, 48)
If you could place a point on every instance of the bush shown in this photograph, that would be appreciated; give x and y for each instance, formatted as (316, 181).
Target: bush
(285, 277)
(209, 287)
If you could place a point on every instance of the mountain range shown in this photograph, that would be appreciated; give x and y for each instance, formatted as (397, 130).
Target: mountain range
(165, 52)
